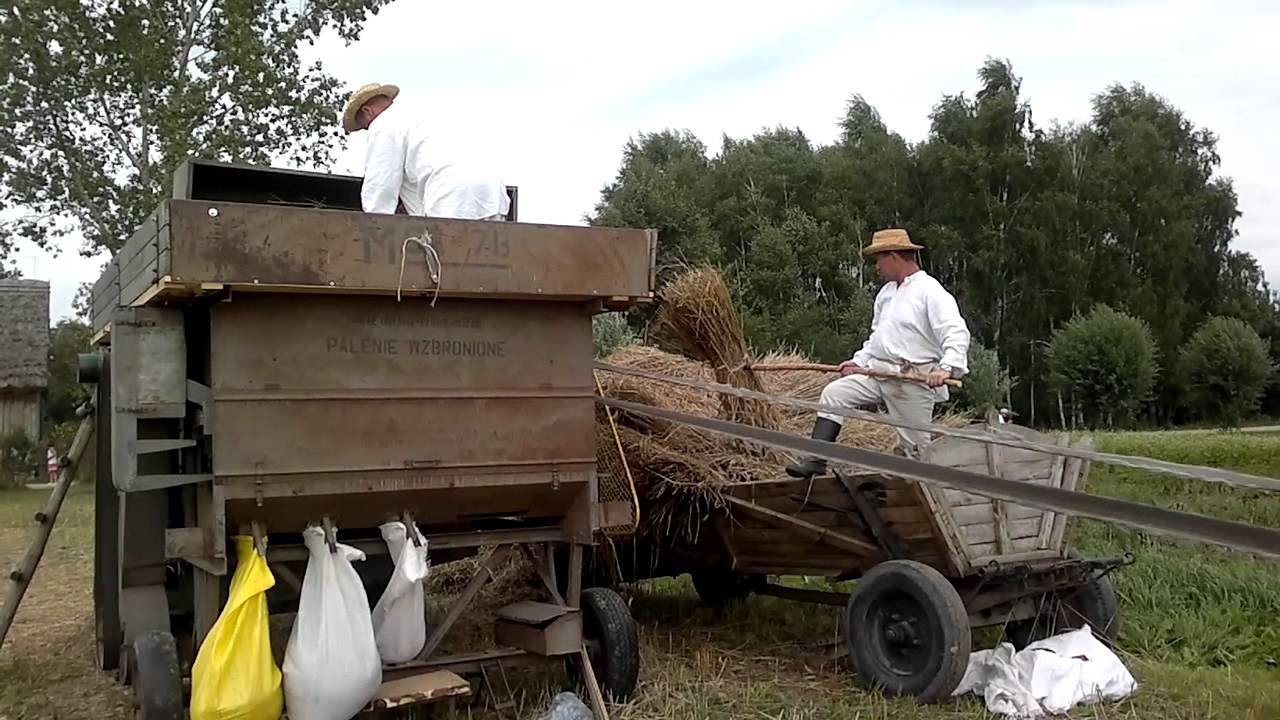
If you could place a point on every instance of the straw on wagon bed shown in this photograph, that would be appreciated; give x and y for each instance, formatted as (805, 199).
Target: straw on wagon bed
(680, 471)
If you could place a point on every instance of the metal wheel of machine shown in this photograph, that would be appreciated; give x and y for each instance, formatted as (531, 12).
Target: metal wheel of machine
(1093, 603)
(908, 631)
(155, 676)
(612, 641)
(96, 367)
(722, 588)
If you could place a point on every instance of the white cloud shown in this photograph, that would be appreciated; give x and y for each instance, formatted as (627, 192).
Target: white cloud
(553, 90)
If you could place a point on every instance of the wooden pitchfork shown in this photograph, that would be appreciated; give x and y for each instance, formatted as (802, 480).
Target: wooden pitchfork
(816, 367)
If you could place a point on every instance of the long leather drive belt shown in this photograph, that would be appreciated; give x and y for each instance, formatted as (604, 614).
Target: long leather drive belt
(1264, 542)
(994, 436)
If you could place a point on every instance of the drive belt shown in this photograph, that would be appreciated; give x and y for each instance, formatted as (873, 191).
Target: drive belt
(1260, 541)
(993, 436)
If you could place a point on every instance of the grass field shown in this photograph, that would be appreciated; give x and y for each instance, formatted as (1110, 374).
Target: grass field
(1199, 626)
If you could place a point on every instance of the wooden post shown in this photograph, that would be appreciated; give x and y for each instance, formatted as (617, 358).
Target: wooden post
(21, 575)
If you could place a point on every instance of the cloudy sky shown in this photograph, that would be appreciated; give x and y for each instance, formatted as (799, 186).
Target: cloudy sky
(552, 90)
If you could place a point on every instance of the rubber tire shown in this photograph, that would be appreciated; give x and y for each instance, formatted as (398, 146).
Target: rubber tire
(947, 641)
(156, 677)
(721, 589)
(1094, 603)
(607, 619)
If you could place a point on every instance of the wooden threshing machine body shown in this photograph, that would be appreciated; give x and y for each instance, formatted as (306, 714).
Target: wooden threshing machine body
(263, 370)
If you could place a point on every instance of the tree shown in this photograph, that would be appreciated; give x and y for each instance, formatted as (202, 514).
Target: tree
(67, 340)
(101, 99)
(985, 385)
(1226, 369)
(663, 184)
(1106, 363)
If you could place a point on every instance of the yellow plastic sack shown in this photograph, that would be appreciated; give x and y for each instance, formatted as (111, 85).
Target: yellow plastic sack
(235, 676)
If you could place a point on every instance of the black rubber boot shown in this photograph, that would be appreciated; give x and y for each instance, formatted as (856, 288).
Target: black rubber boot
(825, 430)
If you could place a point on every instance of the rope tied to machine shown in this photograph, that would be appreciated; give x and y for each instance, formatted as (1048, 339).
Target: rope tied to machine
(435, 268)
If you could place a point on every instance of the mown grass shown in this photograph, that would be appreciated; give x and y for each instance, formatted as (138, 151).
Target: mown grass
(1198, 624)
(1185, 603)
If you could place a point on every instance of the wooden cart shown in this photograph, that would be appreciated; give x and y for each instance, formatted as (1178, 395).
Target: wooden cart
(931, 563)
(268, 360)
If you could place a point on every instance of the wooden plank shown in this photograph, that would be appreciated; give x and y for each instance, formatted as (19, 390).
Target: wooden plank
(957, 555)
(1049, 517)
(1075, 477)
(264, 244)
(1023, 552)
(839, 540)
(998, 520)
(1018, 530)
(965, 515)
(985, 551)
(959, 498)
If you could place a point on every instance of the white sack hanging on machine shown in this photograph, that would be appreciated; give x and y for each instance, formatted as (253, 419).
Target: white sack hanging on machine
(331, 665)
(399, 622)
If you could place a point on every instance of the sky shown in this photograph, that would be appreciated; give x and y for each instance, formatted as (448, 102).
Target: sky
(550, 92)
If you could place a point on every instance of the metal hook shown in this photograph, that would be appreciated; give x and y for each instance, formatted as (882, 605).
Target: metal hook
(330, 534)
(259, 538)
(411, 529)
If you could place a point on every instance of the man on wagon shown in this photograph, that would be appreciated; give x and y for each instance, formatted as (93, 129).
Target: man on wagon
(409, 167)
(916, 328)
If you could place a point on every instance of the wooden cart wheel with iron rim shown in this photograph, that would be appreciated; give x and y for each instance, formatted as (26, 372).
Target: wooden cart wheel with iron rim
(908, 631)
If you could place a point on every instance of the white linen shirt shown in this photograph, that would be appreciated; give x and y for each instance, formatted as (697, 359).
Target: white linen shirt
(918, 322)
(405, 161)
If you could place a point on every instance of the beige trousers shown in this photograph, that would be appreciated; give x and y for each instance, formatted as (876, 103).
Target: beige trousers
(905, 400)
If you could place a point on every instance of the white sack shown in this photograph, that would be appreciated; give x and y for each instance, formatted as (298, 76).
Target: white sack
(399, 620)
(331, 665)
(1048, 677)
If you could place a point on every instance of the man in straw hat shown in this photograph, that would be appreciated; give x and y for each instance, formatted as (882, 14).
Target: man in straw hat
(917, 329)
(407, 165)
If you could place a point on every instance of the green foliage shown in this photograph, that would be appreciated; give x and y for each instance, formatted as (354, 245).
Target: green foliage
(100, 101)
(1181, 602)
(1106, 363)
(67, 340)
(17, 458)
(986, 385)
(1027, 224)
(1226, 369)
(610, 331)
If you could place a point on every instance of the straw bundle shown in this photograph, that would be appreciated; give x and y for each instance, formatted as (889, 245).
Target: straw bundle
(698, 319)
(679, 470)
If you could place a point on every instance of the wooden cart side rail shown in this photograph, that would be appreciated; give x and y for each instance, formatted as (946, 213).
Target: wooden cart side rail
(802, 527)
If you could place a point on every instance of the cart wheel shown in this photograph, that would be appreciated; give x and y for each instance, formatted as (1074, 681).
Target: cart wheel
(157, 683)
(613, 643)
(908, 631)
(1093, 603)
(722, 588)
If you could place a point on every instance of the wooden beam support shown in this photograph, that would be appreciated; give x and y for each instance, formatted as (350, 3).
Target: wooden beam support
(821, 534)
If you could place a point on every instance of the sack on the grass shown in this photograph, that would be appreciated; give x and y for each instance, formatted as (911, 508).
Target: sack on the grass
(331, 665)
(234, 676)
(399, 620)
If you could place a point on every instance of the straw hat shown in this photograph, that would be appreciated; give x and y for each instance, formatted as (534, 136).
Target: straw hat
(888, 241)
(362, 96)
